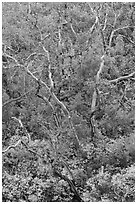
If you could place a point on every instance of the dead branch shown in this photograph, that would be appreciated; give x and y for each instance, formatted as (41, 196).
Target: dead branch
(36, 79)
(33, 54)
(67, 167)
(11, 146)
(24, 129)
(49, 68)
(73, 30)
(71, 184)
(50, 90)
(122, 78)
(129, 40)
(59, 33)
(54, 112)
(94, 25)
(105, 23)
(13, 59)
(31, 150)
(95, 94)
(96, 21)
(18, 98)
(45, 37)
(115, 30)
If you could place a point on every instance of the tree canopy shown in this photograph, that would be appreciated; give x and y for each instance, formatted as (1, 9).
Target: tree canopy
(68, 101)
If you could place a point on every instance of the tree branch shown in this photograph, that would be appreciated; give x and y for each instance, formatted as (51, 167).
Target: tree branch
(121, 78)
(24, 129)
(93, 26)
(16, 99)
(113, 31)
(71, 184)
(95, 94)
(11, 146)
(54, 112)
(36, 79)
(105, 23)
(39, 81)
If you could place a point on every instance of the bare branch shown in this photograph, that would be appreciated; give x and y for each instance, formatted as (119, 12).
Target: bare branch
(94, 25)
(129, 40)
(16, 99)
(36, 79)
(121, 78)
(71, 184)
(73, 30)
(7, 47)
(49, 68)
(33, 54)
(94, 98)
(67, 167)
(59, 33)
(24, 129)
(45, 37)
(31, 150)
(91, 8)
(93, 104)
(96, 13)
(105, 23)
(114, 24)
(12, 146)
(13, 59)
(29, 8)
(112, 33)
(63, 107)
(49, 103)
(100, 69)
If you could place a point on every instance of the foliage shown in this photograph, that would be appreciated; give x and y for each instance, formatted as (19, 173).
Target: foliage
(116, 187)
(68, 94)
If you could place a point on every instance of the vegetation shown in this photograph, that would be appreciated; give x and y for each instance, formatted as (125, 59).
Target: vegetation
(68, 102)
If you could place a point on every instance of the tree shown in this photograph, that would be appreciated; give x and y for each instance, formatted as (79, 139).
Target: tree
(68, 81)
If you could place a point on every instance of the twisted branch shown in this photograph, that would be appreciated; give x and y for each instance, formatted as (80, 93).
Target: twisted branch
(11, 146)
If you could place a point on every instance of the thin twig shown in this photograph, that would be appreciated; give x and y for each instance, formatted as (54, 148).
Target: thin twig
(18, 98)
